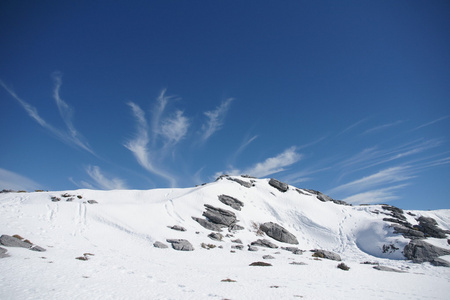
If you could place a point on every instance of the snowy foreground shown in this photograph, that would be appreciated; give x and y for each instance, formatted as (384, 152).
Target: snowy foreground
(116, 236)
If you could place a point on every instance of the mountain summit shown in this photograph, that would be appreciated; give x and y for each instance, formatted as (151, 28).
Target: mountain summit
(237, 238)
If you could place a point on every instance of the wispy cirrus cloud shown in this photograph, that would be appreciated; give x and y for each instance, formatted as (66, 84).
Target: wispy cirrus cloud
(430, 123)
(270, 165)
(382, 127)
(13, 181)
(215, 119)
(140, 145)
(71, 136)
(103, 182)
(381, 195)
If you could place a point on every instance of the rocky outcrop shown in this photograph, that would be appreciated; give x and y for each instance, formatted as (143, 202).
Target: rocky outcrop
(324, 198)
(237, 180)
(409, 233)
(230, 201)
(326, 254)
(278, 233)
(430, 228)
(439, 262)
(264, 243)
(11, 241)
(177, 227)
(219, 216)
(395, 212)
(181, 244)
(281, 186)
(420, 251)
(160, 245)
(215, 236)
(208, 224)
(294, 250)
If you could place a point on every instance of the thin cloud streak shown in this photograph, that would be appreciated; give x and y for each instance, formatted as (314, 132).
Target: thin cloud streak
(13, 181)
(71, 137)
(430, 123)
(275, 164)
(353, 126)
(382, 127)
(139, 146)
(102, 181)
(215, 119)
(382, 195)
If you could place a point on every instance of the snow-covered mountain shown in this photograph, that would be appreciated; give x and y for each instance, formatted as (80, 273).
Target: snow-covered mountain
(122, 244)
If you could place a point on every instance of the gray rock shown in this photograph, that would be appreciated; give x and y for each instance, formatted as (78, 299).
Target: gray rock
(239, 247)
(325, 198)
(294, 250)
(420, 251)
(230, 201)
(177, 227)
(10, 241)
(181, 244)
(92, 202)
(208, 224)
(3, 252)
(252, 248)
(326, 254)
(281, 186)
(298, 263)
(37, 248)
(241, 182)
(439, 262)
(429, 227)
(238, 241)
(160, 245)
(268, 257)
(219, 216)
(408, 232)
(395, 211)
(388, 269)
(264, 243)
(278, 233)
(235, 227)
(215, 236)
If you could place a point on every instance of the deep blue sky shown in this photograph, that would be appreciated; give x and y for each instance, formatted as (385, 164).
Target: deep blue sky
(351, 98)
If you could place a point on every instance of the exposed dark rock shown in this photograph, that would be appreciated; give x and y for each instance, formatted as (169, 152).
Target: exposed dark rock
(252, 248)
(235, 227)
(239, 247)
(420, 251)
(264, 243)
(3, 252)
(55, 199)
(429, 227)
(160, 245)
(278, 233)
(260, 264)
(37, 248)
(238, 241)
(230, 201)
(326, 198)
(268, 257)
(208, 224)
(388, 269)
(411, 214)
(395, 212)
(401, 222)
(241, 182)
(177, 227)
(343, 266)
(208, 246)
(298, 263)
(439, 262)
(10, 241)
(181, 244)
(302, 192)
(281, 186)
(92, 202)
(219, 216)
(326, 254)
(408, 232)
(215, 236)
(66, 195)
(294, 250)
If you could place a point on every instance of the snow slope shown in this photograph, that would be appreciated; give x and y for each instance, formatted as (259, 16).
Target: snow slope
(119, 232)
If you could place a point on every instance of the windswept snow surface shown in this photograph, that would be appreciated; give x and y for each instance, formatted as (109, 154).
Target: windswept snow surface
(120, 231)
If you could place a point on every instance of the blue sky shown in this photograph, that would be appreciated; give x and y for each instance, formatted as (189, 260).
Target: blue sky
(350, 98)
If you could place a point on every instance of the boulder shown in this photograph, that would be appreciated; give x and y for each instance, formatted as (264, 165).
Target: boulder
(215, 236)
(388, 269)
(294, 250)
(395, 212)
(439, 262)
(92, 202)
(325, 198)
(326, 254)
(10, 241)
(278, 233)
(208, 224)
(230, 201)
(252, 248)
(420, 251)
(237, 241)
(429, 227)
(177, 227)
(239, 247)
(181, 244)
(264, 243)
(37, 248)
(268, 257)
(241, 182)
(408, 232)
(281, 186)
(3, 252)
(219, 216)
(160, 245)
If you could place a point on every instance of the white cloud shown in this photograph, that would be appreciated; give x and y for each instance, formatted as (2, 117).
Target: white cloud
(375, 196)
(430, 123)
(215, 119)
(13, 181)
(175, 128)
(382, 127)
(102, 181)
(72, 137)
